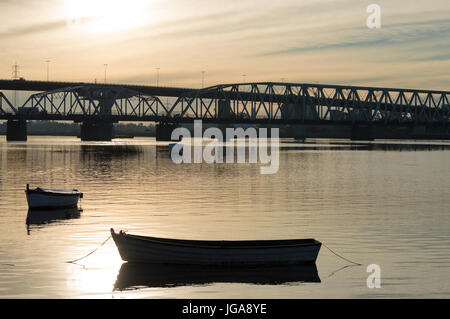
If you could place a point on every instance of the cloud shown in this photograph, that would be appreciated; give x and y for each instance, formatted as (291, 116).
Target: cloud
(40, 28)
(33, 29)
(320, 40)
(421, 34)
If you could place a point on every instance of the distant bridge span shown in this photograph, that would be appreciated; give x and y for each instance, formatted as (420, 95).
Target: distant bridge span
(43, 86)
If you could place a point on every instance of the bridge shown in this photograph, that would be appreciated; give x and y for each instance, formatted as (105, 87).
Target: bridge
(303, 110)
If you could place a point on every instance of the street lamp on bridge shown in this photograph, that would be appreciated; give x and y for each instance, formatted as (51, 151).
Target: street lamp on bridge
(203, 79)
(157, 76)
(48, 69)
(106, 66)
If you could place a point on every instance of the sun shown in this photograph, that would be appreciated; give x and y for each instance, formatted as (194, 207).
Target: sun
(106, 15)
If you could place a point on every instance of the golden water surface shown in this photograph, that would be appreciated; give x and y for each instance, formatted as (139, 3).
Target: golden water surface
(385, 203)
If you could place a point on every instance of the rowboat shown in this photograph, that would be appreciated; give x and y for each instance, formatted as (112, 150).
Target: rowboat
(154, 250)
(138, 275)
(52, 198)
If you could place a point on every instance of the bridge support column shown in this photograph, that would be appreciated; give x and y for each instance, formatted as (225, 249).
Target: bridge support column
(101, 131)
(224, 110)
(164, 131)
(361, 132)
(16, 130)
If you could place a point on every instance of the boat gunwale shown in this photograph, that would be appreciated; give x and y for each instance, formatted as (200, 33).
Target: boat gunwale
(52, 192)
(222, 244)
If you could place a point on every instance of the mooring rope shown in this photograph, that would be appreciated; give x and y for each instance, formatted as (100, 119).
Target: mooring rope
(342, 257)
(74, 261)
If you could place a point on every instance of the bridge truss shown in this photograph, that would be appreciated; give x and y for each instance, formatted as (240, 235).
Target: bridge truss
(314, 102)
(245, 102)
(93, 101)
(5, 106)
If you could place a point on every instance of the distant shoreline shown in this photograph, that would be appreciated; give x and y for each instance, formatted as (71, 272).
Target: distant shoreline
(53, 128)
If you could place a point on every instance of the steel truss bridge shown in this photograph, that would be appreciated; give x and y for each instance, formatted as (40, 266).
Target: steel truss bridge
(268, 103)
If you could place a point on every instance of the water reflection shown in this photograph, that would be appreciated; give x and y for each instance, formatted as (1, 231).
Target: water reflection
(40, 217)
(325, 145)
(104, 159)
(360, 146)
(379, 146)
(108, 153)
(134, 275)
(385, 207)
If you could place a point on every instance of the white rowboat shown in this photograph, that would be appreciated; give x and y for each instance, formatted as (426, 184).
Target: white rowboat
(140, 249)
(52, 198)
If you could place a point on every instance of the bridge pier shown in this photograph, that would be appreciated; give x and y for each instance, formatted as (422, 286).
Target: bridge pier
(360, 132)
(224, 110)
(16, 130)
(164, 131)
(96, 131)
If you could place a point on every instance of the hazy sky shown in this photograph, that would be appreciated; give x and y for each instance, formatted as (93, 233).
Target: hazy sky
(325, 41)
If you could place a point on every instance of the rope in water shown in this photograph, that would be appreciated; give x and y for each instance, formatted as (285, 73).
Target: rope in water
(352, 262)
(74, 261)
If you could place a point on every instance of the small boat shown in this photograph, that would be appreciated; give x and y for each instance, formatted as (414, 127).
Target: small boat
(52, 198)
(141, 249)
(138, 275)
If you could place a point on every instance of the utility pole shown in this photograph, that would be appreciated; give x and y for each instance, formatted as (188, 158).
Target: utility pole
(15, 76)
(106, 66)
(15, 72)
(48, 69)
(243, 77)
(157, 76)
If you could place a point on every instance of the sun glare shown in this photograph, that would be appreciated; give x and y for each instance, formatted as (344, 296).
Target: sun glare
(106, 15)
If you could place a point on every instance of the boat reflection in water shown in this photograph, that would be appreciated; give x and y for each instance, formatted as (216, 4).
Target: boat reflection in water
(137, 275)
(42, 217)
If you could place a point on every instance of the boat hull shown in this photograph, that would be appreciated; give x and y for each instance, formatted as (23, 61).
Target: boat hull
(48, 200)
(153, 250)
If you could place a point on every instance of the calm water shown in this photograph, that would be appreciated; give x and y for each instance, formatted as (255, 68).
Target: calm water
(387, 203)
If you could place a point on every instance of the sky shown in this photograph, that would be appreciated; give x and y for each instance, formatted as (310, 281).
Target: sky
(301, 41)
